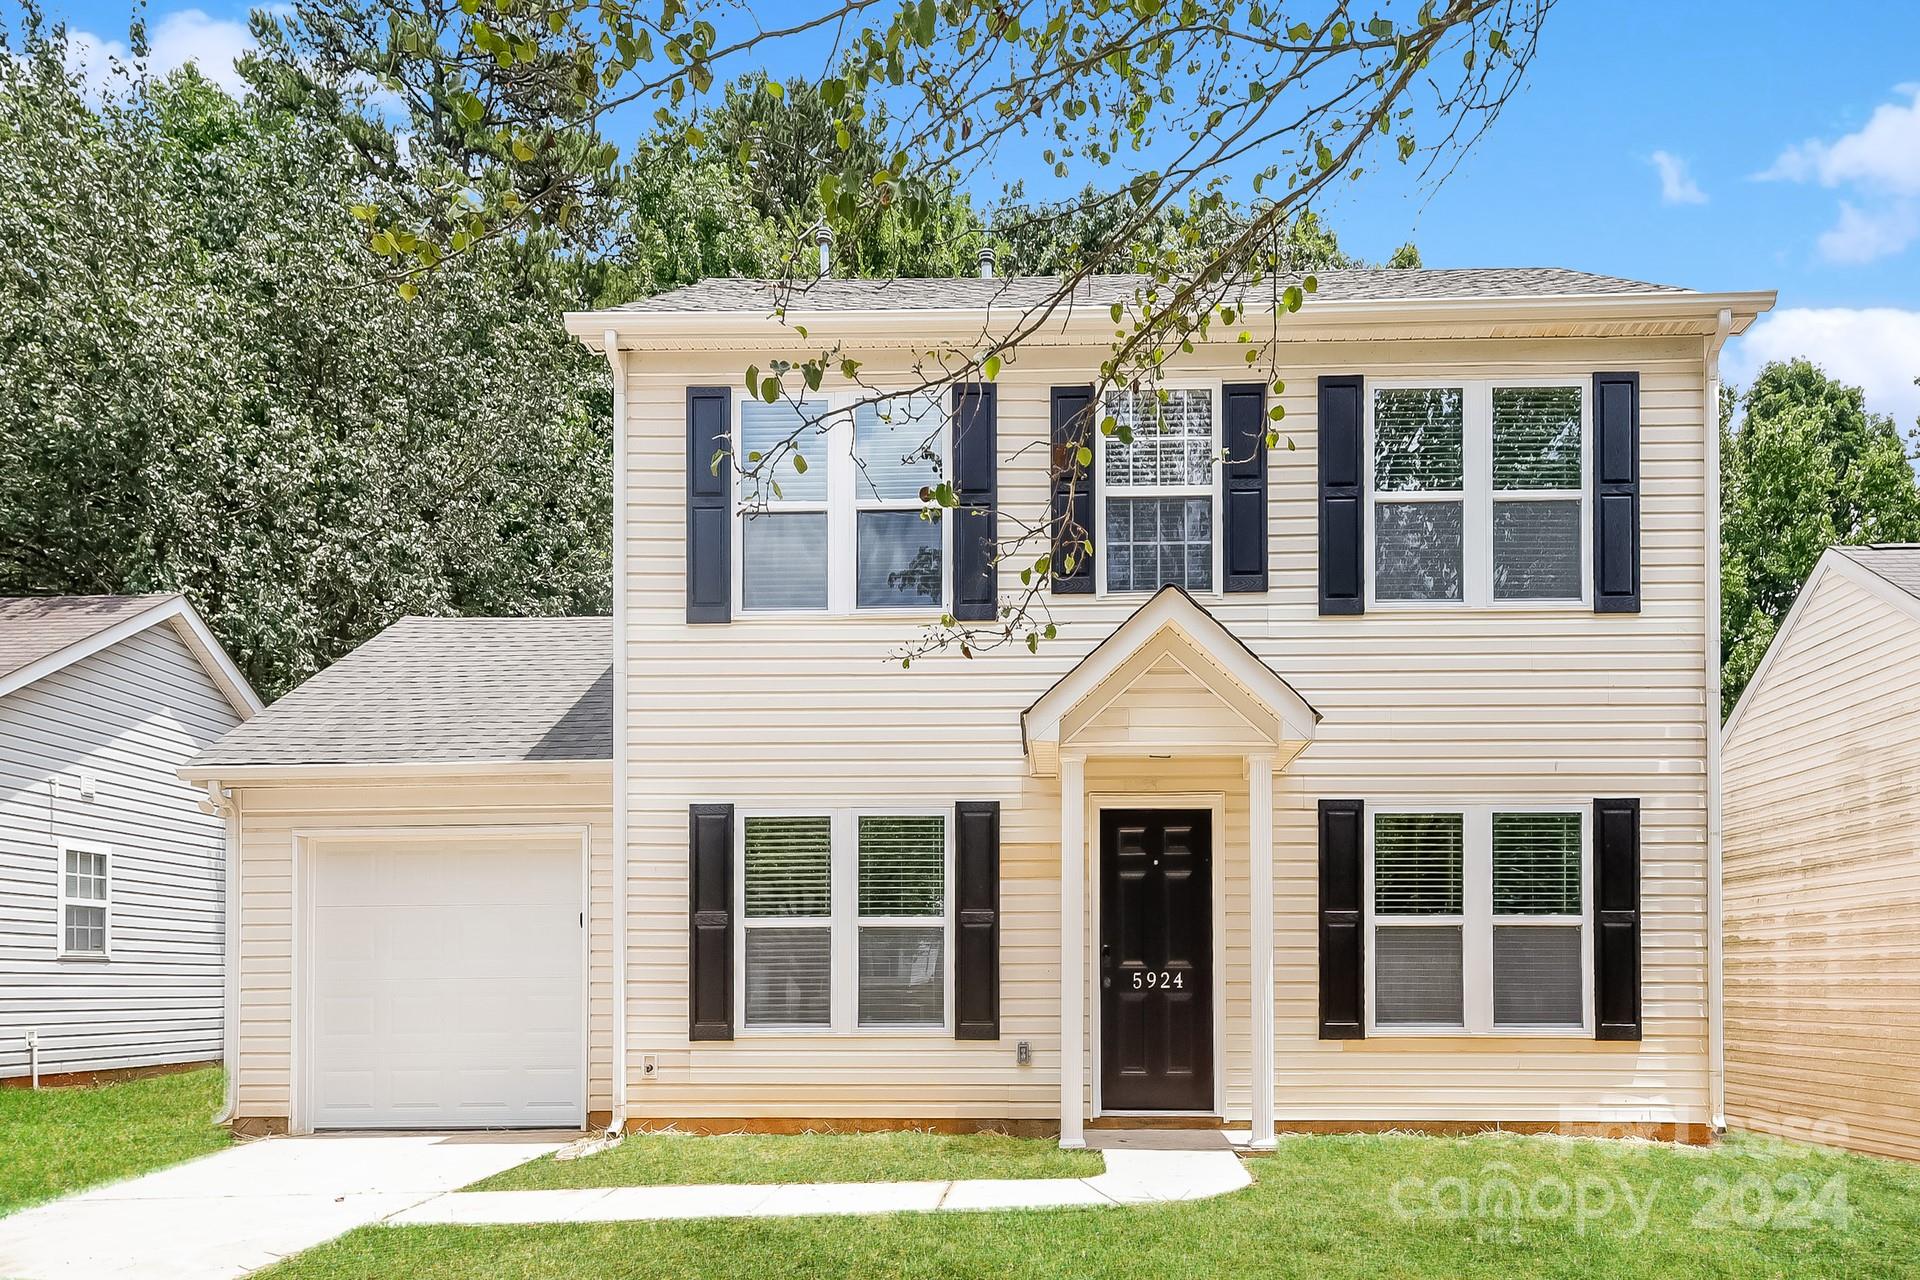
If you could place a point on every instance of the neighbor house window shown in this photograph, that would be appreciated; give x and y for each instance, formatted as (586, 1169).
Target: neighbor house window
(1478, 920)
(838, 517)
(844, 921)
(83, 901)
(1478, 493)
(1157, 490)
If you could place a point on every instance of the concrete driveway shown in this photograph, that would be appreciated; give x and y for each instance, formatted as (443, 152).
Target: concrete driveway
(237, 1210)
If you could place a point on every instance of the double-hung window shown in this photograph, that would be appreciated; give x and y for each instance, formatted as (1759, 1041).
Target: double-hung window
(835, 518)
(901, 560)
(1478, 493)
(786, 526)
(1159, 489)
(844, 921)
(84, 899)
(1478, 920)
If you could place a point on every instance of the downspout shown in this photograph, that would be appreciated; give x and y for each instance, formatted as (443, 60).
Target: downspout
(1716, 1016)
(226, 804)
(617, 362)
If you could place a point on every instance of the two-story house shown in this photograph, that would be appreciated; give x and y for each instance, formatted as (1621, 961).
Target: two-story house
(1366, 782)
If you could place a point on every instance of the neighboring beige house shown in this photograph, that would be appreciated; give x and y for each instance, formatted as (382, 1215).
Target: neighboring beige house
(1822, 796)
(1365, 785)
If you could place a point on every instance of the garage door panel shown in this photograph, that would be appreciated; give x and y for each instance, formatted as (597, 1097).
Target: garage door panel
(448, 984)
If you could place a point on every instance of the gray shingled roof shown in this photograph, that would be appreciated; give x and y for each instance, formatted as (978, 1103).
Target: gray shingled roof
(1897, 562)
(1020, 292)
(35, 627)
(429, 690)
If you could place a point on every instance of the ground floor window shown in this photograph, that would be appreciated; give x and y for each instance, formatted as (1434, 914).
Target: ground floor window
(83, 900)
(1478, 919)
(844, 920)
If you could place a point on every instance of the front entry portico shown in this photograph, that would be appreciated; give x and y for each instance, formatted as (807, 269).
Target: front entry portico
(1170, 684)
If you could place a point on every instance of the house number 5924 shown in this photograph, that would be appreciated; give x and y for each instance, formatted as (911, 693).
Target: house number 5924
(1150, 980)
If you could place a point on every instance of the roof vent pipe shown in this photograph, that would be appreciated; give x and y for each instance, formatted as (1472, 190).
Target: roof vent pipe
(986, 261)
(823, 236)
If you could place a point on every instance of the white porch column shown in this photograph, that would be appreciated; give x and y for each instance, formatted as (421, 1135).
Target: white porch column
(1073, 948)
(1260, 878)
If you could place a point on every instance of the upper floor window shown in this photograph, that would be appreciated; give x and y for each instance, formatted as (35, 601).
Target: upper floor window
(1478, 919)
(1478, 493)
(1159, 489)
(845, 526)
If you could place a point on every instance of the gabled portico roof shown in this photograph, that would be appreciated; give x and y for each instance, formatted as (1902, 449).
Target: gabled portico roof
(1241, 705)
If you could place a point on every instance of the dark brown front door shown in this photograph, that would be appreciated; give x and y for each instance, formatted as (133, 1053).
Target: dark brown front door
(1156, 960)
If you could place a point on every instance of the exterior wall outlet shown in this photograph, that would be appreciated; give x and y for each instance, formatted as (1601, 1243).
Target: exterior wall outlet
(84, 784)
(649, 1067)
(1023, 1053)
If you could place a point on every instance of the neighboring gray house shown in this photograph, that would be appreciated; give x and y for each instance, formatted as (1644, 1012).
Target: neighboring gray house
(112, 869)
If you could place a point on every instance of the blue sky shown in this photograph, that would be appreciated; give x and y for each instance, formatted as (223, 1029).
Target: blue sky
(1711, 144)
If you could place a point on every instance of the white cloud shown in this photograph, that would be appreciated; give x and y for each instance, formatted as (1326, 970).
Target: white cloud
(1884, 154)
(1876, 348)
(1676, 184)
(174, 40)
(1880, 163)
(1861, 235)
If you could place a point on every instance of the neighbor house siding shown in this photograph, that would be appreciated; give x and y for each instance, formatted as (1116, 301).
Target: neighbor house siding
(130, 715)
(1460, 705)
(273, 815)
(1822, 863)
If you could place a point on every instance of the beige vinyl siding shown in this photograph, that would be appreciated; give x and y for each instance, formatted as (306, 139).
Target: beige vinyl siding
(1443, 704)
(130, 715)
(272, 814)
(1822, 860)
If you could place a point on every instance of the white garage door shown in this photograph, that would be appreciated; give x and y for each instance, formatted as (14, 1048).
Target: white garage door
(447, 983)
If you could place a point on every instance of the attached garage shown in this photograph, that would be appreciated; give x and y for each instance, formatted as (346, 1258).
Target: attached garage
(426, 929)
(447, 982)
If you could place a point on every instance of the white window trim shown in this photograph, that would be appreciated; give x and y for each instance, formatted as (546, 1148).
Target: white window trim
(1102, 489)
(65, 900)
(842, 506)
(1479, 495)
(1477, 919)
(842, 921)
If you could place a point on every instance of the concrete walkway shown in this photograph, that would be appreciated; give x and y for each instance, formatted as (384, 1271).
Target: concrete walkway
(232, 1212)
(1132, 1177)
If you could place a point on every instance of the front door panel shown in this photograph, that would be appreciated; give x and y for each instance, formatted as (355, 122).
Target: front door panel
(1156, 960)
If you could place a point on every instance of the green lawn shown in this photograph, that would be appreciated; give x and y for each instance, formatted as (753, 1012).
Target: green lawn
(646, 1160)
(61, 1140)
(1372, 1207)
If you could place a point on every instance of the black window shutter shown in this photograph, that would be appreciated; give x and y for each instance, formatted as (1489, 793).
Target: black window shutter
(976, 943)
(1073, 426)
(709, 499)
(1342, 502)
(1616, 913)
(710, 903)
(1616, 493)
(1342, 939)
(974, 596)
(1244, 423)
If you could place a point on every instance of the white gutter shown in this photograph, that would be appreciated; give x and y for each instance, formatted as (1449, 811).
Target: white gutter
(617, 362)
(1716, 995)
(227, 804)
(344, 770)
(1083, 319)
